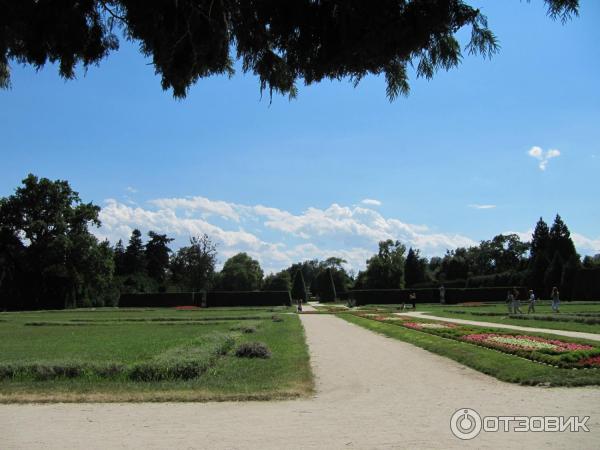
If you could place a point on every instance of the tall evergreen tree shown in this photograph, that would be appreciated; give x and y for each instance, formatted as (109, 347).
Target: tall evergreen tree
(560, 240)
(157, 256)
(415, 268)
(119, 258)
(135, 262)
(540, 257)
(540, 240)
(299, 288)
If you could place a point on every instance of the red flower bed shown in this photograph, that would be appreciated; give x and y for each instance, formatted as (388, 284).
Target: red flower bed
(186, 308)
(593, 361)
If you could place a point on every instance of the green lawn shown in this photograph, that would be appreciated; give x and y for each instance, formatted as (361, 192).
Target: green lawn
(151, 355)
(503, 366)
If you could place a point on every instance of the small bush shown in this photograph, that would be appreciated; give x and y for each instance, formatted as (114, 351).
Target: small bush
(253, 350)
(247, 329)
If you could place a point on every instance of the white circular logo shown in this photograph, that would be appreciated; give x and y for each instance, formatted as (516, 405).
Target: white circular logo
(465, 423)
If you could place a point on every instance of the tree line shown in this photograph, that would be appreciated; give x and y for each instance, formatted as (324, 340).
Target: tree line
(50, 259)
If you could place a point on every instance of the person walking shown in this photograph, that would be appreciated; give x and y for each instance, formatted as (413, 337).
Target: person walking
(413, 300)
(510, 300)
(555, 299)
(531, 307)
(516, 302)
(442, 295)
(300, 305)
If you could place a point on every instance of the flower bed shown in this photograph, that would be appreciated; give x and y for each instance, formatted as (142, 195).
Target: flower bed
(522, 342)
(429, 325)
(593, 361)
(556, 352)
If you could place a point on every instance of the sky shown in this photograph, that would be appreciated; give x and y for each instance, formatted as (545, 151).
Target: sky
(484, 149)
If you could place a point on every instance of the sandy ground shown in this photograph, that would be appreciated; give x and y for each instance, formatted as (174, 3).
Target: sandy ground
(574, 334)
(372, 392)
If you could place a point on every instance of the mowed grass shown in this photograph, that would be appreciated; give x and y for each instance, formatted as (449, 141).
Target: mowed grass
(151, 355)
(570, 318)
(500, 365)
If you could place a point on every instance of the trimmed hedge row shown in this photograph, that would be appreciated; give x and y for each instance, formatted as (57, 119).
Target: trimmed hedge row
(248, 298)
(206, 299)
(587, 285)
(452, 296)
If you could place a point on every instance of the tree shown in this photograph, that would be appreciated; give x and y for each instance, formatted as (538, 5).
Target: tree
(157, 256)
(590, 262)
(310, 269)
(455, 264)
(414, 268)
(135, 258)
(323, 286)
(299, 288)
(280, 42)
(119, 258)
(385, 270)
(539, 256)
(280, 281)
(193, 266)
(560, 240)
(50, 259)
(241, 273)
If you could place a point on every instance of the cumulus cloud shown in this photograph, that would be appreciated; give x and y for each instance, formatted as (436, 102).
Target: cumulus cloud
(278, 238)
(479, 206)
(370, 202)
(131, 189)
(543, 156)
(274, 236)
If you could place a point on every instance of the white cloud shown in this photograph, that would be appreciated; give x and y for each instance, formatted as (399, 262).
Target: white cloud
(351, 232)
(586, 245)
(478, 206)
(543, 157)
(278, 237)
(131, 189)
(370, 202)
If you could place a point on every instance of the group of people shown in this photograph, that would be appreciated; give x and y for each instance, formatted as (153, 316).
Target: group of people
(514, 304)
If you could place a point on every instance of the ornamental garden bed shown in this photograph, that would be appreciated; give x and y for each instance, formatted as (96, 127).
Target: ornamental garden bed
(563, 353)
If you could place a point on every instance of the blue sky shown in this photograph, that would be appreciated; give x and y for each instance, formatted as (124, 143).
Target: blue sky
(286, 180)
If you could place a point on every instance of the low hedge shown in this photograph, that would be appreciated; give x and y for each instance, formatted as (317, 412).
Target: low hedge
(453, 295)
(248, 298)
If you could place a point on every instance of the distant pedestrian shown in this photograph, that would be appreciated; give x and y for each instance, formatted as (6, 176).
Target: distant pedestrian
(531, 307)
(442, 295)
(510, 300)
(413, 300)
(516, 302)
(300, 305)
(555, 299)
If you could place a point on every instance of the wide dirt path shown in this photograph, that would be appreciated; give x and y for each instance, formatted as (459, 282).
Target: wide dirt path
(574, 334)
(372, 392)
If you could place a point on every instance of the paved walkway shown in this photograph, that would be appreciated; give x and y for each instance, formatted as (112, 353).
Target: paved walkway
(372, 393)
(573, 334)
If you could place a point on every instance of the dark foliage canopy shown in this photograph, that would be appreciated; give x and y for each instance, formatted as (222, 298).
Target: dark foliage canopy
(281, 42)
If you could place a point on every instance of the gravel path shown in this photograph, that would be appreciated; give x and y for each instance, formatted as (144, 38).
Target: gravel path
(574, 334)
(372, 392)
